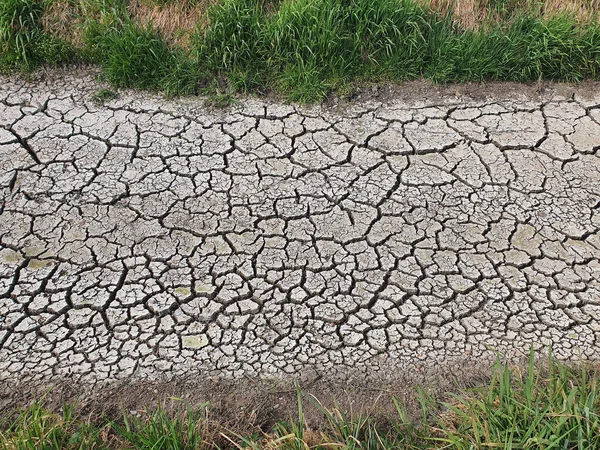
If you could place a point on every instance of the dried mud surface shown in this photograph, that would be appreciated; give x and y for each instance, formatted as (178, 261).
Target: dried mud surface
(410, 231)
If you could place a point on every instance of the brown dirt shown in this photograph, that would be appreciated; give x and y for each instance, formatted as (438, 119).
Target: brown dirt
(246, 405)
(423, 91)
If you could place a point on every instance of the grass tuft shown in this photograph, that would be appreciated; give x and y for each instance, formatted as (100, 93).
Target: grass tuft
(157, 430)
(233, 44)
(23, 43)
(131, 56)
(556, 409)
(36, 428)
(20, 29)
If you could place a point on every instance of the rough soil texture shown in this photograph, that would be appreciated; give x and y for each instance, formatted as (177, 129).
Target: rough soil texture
(414, 231)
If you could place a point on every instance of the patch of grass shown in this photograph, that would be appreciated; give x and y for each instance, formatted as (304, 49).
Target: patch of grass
(157, 430)
(233, 43)
(557, 408)
(526, 49)
(20, 29)
(36, 428)
(104, 95)
(23, 43)
(131, 56)
(306, 49)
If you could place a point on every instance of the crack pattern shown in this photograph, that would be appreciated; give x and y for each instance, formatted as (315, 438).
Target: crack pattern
(150, 236)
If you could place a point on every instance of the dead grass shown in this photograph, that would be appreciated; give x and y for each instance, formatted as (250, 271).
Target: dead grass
(64, 19)
(176, 21)
(471, 14)
(583, 10)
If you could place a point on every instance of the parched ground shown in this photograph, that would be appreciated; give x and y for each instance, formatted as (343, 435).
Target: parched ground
(151, 238)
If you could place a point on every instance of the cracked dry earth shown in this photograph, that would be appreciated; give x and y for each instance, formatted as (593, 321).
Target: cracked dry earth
(157, 238)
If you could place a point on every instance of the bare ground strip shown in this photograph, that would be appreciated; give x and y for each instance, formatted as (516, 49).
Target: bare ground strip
(152, 238)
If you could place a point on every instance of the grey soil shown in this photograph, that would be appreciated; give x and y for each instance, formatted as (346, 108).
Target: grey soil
(150, 245)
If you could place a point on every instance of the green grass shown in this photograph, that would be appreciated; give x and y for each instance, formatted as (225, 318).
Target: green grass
(19, 29)
(138, 57)
(104, 95)
(552, 406)
(35, 428)
(553, 410)
(134, 57)
(232, 45)
(159, 431)
(23, 43)
(305, 49)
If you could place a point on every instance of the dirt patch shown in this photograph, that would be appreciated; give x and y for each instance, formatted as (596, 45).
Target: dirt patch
(423, 91)
(248, 404)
